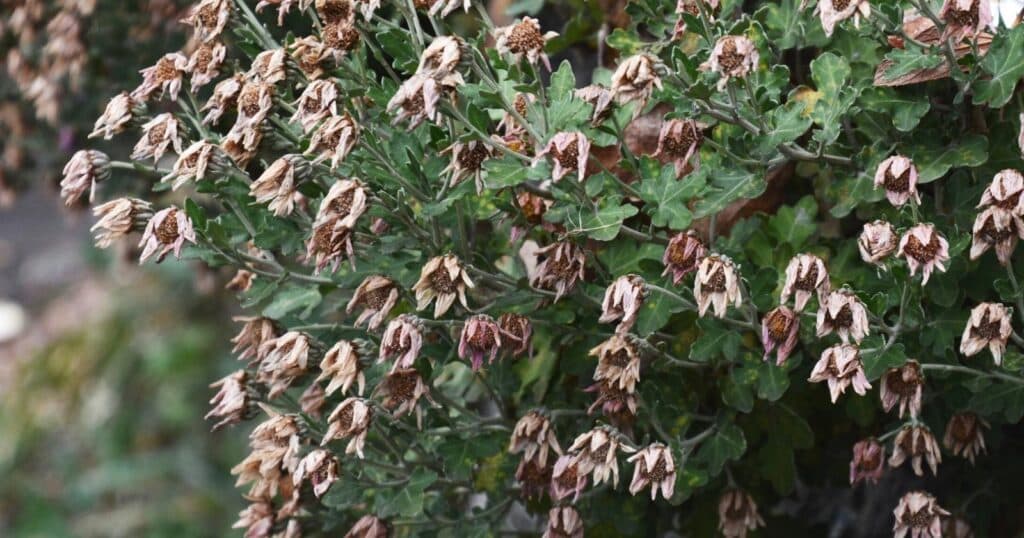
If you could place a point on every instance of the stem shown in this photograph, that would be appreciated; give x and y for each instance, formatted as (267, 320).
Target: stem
(978, 373)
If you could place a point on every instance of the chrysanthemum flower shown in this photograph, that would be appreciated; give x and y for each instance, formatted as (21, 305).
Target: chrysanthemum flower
(515, 333)
(441, 280)
(205, 62)
(86, 168)
(843, 312)
(563, 265)
(678, 142)
(534, 436)
(618, 362)
(166, 232)
(350, 420)
(268, 67)
(334, 140)
(563, 522)
(622, 301)
(158, 134)
(570, 152)
(737, 514)
(917, 444)
(717, 285)
(225, 96)
(989, 325)
(117, 218)
(402, 390)
(249, 341)
(996, 228)
(868, 461)
(416, 100)
(330, 241)
(277, 185)
(480, 336)
(368, 526)
(898, 176)
(964, 18)
(209, 18)
(117, 116)
(833, 12)
(318, 102)
(596, 452)
(197, 161)
(233, 402)
(733, 57)
(924, 248)
(377, 295)
(841, 366)
(635, 79)
(285, 359)
(877, 241)
(965, 435)
(918, 515)
(401, 342)
(567, 479)
(903, 386)
(1005, 192)
(320, 467)
(780, 331)
(524, 39)
(806, 275)
(341, 366)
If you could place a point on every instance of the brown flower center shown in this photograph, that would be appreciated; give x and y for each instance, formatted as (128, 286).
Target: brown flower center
(376, 298)
(963, 17)
(342, 204)
(904, 381)
(345, 418)
(472, 157)
(414, 105)
(619, 358)
(334, 11)
(203, 58)
(341, 36)
(442, 282)
(923, 253)
(920, 519)
(657, 473)
(993, 235)
(249, 100)
(844, 318)
(520, 104)
(808, 282)
(964, 428)
(568, 478)
(988, 329)
(167, 231)
(165, 70)
(483, 339)
(156, 134)
(778, 325)
(899, 183)
(730, 59)
(678, 143)
(716, 283)
(402, 386)
(1010, 203)
(525, 37)
(840, 5)
(568, 157)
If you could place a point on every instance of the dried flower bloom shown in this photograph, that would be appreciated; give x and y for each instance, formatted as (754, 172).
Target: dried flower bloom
(868, 461)
(965, 435)
(339, 38)
(402, 390)
(447, 6)
(257, 519)
(533, 435)
(925, 249)
(562, 266)
(733, 57)
(692, 8)
(569, 151)
(164, 76)
(334, 11)
(312, 400)
(334, 140)
(402, 341)
(918, 444)
(618, 362)
(997, 228)
(655, 468)
(567, 479)
(877, 241)
(919, 515)
(158, 134)
(285, 359)
(368, 527)
(806, 275)
(283, 7)
(596, 453)
(737, 514)
(208, 18)
(964, 18)
(833, 12)
(1005, 192)
(118, 114)
(249, 341)
(233, 402)
(717, 284)
(195, 162)
(321, 468)
(516, 330)
(166, 232)
(225, 96)
(989, 325)
(468, 159)
(345, 201)
(563, 522)
(275, 447)
(842, 312)
(416, 100)
(442, 279)
(635, 79)
(841, 366)
(317, 103)
(612, 399)
(509, 124)
(480, 336)
(330, 241)
(311, 55)
(341, 366)
(205, 63)
(377, 295)
(253, 103)
(600, 97)
(441, 58)
(903, 386)
(117, 218)
(678, 142)
(780, 329)
(622, 301)
(350, 420)
(534, 478)
(86, 168)
(268, 67)
(276, 186)
(684, 252)
(898, 176)
(524, 39)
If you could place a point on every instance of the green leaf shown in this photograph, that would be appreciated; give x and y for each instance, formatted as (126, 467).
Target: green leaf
(727, 443)
(909, 59)
(789, 122)
(831, 74)
(407, 500)
(714, 340)
(905, 112)
(655, 313)
(504, 172)
(563, 82)
(737, 389)
(729, 184)
(794, 224)
(292, 298)
(934, 162)
(1005, 398)
(667, 197)
(396, 44)
(195, 214)
(1004, 61)
(603, 225)
(772, 381)
(627, 43)
(876, 359)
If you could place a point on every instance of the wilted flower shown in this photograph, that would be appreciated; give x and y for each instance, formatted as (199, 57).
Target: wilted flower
(678, 142)
(612, 399)
(166, 232)
(257, 518)
(903, 386)
(877, 241)
(843, 313)
(806, 275)
(268, 67)
(653, 468)
(377, 295)
(467, 160)
(275, 447)
(480, 336)
(919, 515)
(965, 436)
(964, 18)
(368, 527)
(898, 176)
(534, 478)
(442, 279)
(158, 134)
(780, 329)
(447, 6)
(563, 522)
(233, 402)
(918, 444)
(1005, 192)
(205, 63)
(441, 58)
(350, 420)
(989, 325)
(225, 96)
(924, 248)
(533, 435)
(253, 102)
(717, 284)
(402, 341)
(693, 8)
(86, 168)
(737, 514)
(622, 301)
(249, 341)
(599, 97)
(998, 228)
(164, 76)
(635, 79)
(208, 18)
(345, 203)
(596, 453)
(334, 140)
(340, 38)
(833, 12)
(195, 162)
(516, 331)
(562, 266)
(509, 124)
(416, 100)
(116, 116)
(524, 39)
(341, 366)
(569, 151)
(311, 55)
(276, 186)
(117, 218)
(312, 400)
(318, 102)
(684, 252)
(618, 362)
(734, 56)
(284, 359)
(402, 390)
(841, 366)
(868, 461)
(567, 479)
(329, 242)
(321, 468)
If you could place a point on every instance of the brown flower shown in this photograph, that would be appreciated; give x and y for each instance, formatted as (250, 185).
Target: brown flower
(733, 57)
(416, 100)
(334, 140)
(241, 282)
(86, 168)
(233, 402)
(377, 295)
(257, 519)
(402, 341)
(780, 329)
(442, 280)
(737, 514)
(158, 134)
(350, 420)
(989, 325)
(682, 255)
(919, 515)
(635, 79)
(917, 444)
(268, 67)
(877, 241)
(166, 232)
(570, 152)
(612, 399)
(964, 18)
(209, 18)
(516, 331)
(318, 102)
(717, 285)
(320, 468)
(117, 116)
(274, 451)
(277, 185)
(618, 362)
(311, 55)
(563, 522)
(205, 63)
(524, 39)
(965, 435)
(285, 359)
(534, 478)
(480, 336)
(312, 400)
(117, 218)
(596, 452)
(842, 312)
(840, 365)
(996, 228)
(249, 341)
(562, 266)
(833, 12)
(402, 390)
(806, 275)
(622, 301)
(225, 96)
(533, 435)
(678, 142)
(341, 366)
(868, 461)
(467, 159)
(925, 249)
(345, 201)
(898, 176)
(599, 97)
(330, 241)
(903, 386)
(1005, 192)
(567, 479)
(164, 77)
(194, 164)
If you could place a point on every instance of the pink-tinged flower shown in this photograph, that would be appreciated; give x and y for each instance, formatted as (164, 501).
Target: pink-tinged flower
(919, 445)
(249, 341)
(447, 6)
(233, 402)
(684, 252)
(318, 102)
(277, 185)
(345, 201)
(965, 435)
(653, 468)
(196, 162)
(600, 97)
(480, 336)
(341, 366)
(350, 420)
(312, 400)
(833, 12)
(925, 249)
(533, 435)
(618, 362)
(841, 366)
(693, 8)
(166, 232)
(903, 386)
(509, 124)
(416, 100)
(737, 514)
(843, 313)
(635, 79)
(562, 266)
(117, 116)
(329, 243)
(734, 56)
(312, 56)
(678, 142)
(368, 527)
(118, 218)
(516, 331)
(164, 77)
(377, 295)
(158, 134)
(918, 515)
(989, 325)
(241, 145)
(334, 140)
(205, 63)
(622, 301)
(563, 522)
(569, 151)
(209, 18)
(524, 40)
(868, 461)
(86, 168)
(1005, 192)
(806, 275)
(567, 479)
(614, 401)
(964, 18)
(253, 102)
(440, 60)
(257, 518)
(402, 341)
(596, 453)
(996, 228)
(956, 527)
(877, 242)
(467, 159)
(402, 390)
(534, 478)
(274, 454)
(225, 96)
(898, 176)
(320, 468)
(285, 359)
(268, 67)
(780, 329)
(717, 284)
(442, 279)
(340, 38)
